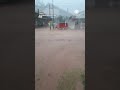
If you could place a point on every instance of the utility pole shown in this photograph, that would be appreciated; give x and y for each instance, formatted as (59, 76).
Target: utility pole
(67, 10)
(49, 9)
(38, 11)
(66, 19)
(53, 9)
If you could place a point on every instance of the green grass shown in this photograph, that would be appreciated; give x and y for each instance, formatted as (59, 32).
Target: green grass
(69, 80)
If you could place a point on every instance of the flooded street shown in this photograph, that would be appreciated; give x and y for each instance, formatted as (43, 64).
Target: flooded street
(56, 52)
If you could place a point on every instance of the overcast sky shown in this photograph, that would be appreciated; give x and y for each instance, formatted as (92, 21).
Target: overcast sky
(70, 4)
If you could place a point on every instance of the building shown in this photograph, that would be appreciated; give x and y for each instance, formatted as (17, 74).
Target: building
(52, 9)
(53, 12)
(80, 17)
(81, 14)
(41, 19)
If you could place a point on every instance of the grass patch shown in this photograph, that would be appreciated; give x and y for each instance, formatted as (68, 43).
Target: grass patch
(69, 80)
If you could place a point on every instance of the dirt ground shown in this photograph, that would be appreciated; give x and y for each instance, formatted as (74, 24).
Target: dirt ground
(57, 51)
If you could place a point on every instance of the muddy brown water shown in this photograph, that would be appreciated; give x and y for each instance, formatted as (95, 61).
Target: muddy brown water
(57, 51)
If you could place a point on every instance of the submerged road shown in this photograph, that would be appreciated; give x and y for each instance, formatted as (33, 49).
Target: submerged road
(57, 51)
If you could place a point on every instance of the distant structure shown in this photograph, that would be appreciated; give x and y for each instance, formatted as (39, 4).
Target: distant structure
(48, 10)
(46, 14)
(77, 21)
(57, 11)
(81, 14)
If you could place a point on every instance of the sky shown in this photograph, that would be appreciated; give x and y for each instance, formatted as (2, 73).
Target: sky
(72, 5)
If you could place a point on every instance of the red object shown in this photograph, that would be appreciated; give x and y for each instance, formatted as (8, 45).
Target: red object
(62, 26)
